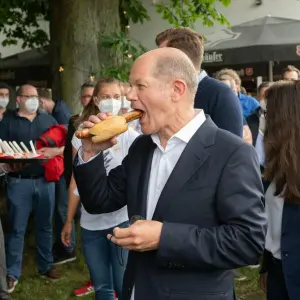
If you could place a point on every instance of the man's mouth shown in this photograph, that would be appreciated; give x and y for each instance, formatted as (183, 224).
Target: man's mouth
(141, 111)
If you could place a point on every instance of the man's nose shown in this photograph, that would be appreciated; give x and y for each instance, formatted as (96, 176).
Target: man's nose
(131, 95)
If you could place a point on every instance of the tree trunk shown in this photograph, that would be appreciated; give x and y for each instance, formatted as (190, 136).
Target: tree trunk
(55, 48)
(76, 26)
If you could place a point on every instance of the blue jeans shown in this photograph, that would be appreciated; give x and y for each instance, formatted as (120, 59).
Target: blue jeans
(104, 261)
(60, 214)
(23, 195)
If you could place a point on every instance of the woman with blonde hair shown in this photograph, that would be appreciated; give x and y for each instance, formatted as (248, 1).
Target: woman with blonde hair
(106, 262)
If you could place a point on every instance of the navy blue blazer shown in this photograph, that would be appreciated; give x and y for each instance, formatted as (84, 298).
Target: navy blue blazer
(211, 208)
(223, 106)
(290, 250)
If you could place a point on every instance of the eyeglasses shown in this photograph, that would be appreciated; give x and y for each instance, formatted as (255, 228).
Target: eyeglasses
(29, 96)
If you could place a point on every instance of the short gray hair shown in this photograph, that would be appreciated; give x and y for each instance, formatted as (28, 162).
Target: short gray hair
(171, 67)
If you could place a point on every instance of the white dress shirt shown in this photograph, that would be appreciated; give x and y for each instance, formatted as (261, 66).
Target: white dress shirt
(259, 148)
(201, 76)
(274, 210)
(165, 159)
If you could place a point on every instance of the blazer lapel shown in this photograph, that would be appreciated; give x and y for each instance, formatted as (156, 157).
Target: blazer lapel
(144, 177)
(193, 157)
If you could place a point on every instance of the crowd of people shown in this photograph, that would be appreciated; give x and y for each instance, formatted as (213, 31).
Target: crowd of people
(204, 183)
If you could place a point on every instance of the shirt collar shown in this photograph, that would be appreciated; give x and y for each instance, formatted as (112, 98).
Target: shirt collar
(201, 76)
(185, 133)
(16, 113)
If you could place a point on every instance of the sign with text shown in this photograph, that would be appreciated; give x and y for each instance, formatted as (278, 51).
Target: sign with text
(213, 57)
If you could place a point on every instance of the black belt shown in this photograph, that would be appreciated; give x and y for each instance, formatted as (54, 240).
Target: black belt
(13, 175)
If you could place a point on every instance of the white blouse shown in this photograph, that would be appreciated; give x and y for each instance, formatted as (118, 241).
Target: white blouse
(274, 210)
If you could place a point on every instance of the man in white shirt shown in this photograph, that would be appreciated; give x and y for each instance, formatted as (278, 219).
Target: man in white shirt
(194, 188)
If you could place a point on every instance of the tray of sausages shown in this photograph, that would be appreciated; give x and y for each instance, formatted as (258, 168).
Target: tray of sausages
(12, 152)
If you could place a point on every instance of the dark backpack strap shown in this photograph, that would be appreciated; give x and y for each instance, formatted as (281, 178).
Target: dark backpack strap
(51, 143)
(43, 140)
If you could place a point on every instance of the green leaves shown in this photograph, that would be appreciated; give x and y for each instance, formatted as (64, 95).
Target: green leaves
(19, 21)
(176, 12)
(186, 12)
(126, 49)
(134, 11)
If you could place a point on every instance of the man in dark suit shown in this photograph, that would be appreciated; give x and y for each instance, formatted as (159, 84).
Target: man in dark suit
(215, 98)
(194, 188)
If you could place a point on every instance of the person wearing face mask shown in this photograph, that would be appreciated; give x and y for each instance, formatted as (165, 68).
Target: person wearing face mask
(126, 107)
(28, 189)
(125, 104)
(62, 114)
(63, 254)
(101, 256)
(4, 98)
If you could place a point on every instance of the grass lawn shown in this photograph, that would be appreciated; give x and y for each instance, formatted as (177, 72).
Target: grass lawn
(33, 287)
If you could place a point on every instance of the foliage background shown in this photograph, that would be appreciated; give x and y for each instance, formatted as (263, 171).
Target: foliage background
(20, 20)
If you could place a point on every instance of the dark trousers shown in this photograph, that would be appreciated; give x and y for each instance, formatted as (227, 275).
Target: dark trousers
(276, 288)
(3, 283)
(23, 196)
(60, 214)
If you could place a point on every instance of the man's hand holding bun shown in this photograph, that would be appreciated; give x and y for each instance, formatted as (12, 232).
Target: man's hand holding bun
(90, 149)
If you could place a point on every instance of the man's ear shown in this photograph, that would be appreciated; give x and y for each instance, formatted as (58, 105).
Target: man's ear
(179, 88)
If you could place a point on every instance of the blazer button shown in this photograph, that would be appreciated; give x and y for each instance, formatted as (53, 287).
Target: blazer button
(285, 254)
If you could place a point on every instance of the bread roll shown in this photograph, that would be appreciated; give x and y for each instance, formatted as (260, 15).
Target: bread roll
(108, 128)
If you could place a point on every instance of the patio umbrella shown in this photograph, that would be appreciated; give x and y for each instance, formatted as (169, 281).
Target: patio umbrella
(264, 39)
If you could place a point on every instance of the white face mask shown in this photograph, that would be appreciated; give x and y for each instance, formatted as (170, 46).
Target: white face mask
(32, 105)
(126, 103)
(110, 106)
(3, 102)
